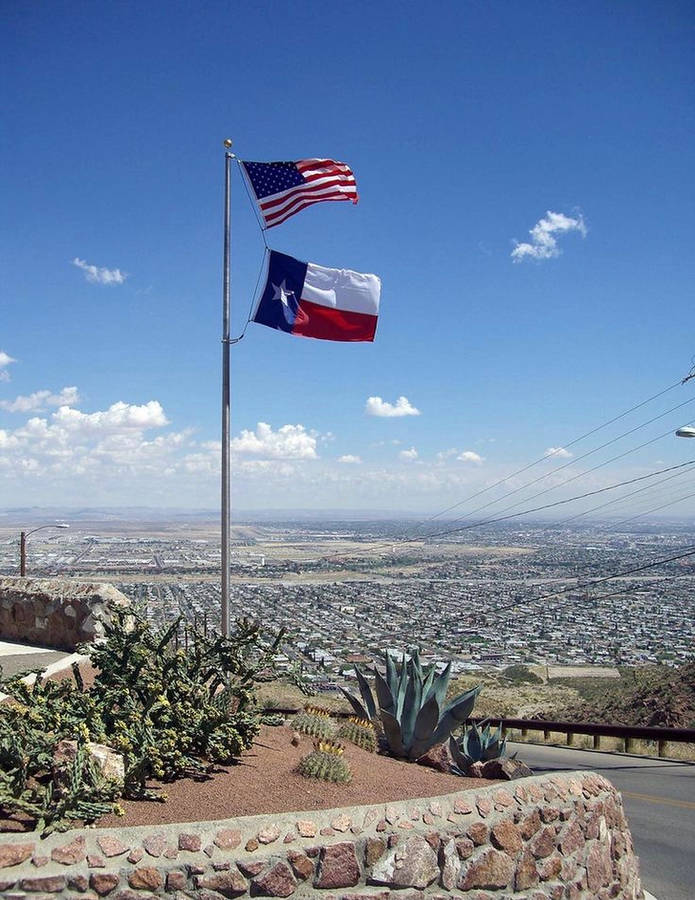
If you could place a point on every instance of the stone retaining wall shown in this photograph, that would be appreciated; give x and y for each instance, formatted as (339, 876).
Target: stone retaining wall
(55, 612)
(543, 837)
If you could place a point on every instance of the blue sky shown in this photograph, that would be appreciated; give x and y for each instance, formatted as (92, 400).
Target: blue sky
(466, 125)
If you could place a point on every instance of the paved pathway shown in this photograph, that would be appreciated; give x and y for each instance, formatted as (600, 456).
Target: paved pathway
(20, 657)
(659, 797)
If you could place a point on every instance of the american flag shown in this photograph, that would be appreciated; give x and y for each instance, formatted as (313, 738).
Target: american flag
(284, 188)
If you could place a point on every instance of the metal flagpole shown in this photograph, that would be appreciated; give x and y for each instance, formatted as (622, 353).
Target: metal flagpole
(226, 481)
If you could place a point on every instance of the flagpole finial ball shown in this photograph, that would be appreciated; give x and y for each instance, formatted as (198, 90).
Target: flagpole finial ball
(228, 143)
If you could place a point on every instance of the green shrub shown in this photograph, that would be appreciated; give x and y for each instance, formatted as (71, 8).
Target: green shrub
(169, 712)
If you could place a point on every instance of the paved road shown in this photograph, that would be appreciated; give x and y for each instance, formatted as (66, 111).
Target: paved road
(659, 799)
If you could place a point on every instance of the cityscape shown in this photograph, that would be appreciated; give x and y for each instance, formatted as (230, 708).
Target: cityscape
(346, 591)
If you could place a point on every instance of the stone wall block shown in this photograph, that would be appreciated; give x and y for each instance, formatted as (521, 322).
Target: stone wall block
(146, 878)
(599, 869)
(450, 865)
(338, 866)
(411, 864)
(228, 884)
(78, 883)
(571, 839)
(277, 881)
(302, 866)
(526, 875)
(48, 883)
(506, 836)
(490, 869)
(543, 843)
(479, 833)
(14, 854)
(71, 853)
(374, 849)
(103, 882)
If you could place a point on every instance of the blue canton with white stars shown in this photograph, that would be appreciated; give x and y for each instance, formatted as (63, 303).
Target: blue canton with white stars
(271, 178)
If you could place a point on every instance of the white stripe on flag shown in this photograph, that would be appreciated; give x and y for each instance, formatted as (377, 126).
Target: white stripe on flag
(342, 289)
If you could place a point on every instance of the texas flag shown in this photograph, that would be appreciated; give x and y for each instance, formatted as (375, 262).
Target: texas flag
(313, 301)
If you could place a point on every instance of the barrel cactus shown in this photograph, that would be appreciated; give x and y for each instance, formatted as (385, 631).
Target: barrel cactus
(314, 721)
(326, 763)
(360, 732)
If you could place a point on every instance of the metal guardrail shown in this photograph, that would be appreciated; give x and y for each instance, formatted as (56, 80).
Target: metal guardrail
(628, 733)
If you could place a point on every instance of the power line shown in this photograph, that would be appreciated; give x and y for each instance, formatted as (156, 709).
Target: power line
(619, 500)
(660, 562)
(565, 445)
(406, 540)
(652, 510)
(578, 459)
(536, 509)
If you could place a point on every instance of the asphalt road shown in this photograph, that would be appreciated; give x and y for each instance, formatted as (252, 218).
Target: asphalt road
(659, 798)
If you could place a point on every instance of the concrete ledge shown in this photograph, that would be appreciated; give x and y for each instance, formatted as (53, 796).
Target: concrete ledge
(559, 836)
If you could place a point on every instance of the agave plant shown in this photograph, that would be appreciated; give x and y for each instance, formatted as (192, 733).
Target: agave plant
(410, 705)
(478, 745)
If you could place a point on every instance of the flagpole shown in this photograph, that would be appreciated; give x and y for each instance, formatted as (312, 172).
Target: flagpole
(226, 481)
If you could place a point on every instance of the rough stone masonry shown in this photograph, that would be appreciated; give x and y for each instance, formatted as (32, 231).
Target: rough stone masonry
(55, 612)
(563, 837)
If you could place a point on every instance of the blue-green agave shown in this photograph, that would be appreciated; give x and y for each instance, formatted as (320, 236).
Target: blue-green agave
(410, 705)
(478, 745)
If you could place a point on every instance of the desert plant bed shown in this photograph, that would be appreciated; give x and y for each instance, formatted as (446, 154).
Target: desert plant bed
(265, 780)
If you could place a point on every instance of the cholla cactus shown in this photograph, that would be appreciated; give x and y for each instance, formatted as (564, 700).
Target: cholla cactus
(315, 722)
(326, 762)
(360, 732)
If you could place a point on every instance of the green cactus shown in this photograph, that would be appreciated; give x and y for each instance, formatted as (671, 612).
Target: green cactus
(314, 722)
(360, 732)
(411, 705)
(170, 714)
(326, 763)
(478, 745)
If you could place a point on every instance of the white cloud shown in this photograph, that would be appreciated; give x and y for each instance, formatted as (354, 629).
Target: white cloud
(5, 361)
(98, 274)
(288, 442)
(377, 407)
(443, 455)
(471, 456)
(41, 399)
(543, 243)
(118, 417)
(560, 452)
(349, 458)
(408, 455)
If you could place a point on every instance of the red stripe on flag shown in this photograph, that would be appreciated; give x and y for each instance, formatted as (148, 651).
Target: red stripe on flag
(304, 164)
(329, 324)
(330, 186)
(276, 218)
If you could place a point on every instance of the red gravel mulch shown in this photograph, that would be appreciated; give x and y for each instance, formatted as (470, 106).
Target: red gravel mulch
(264, 781)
